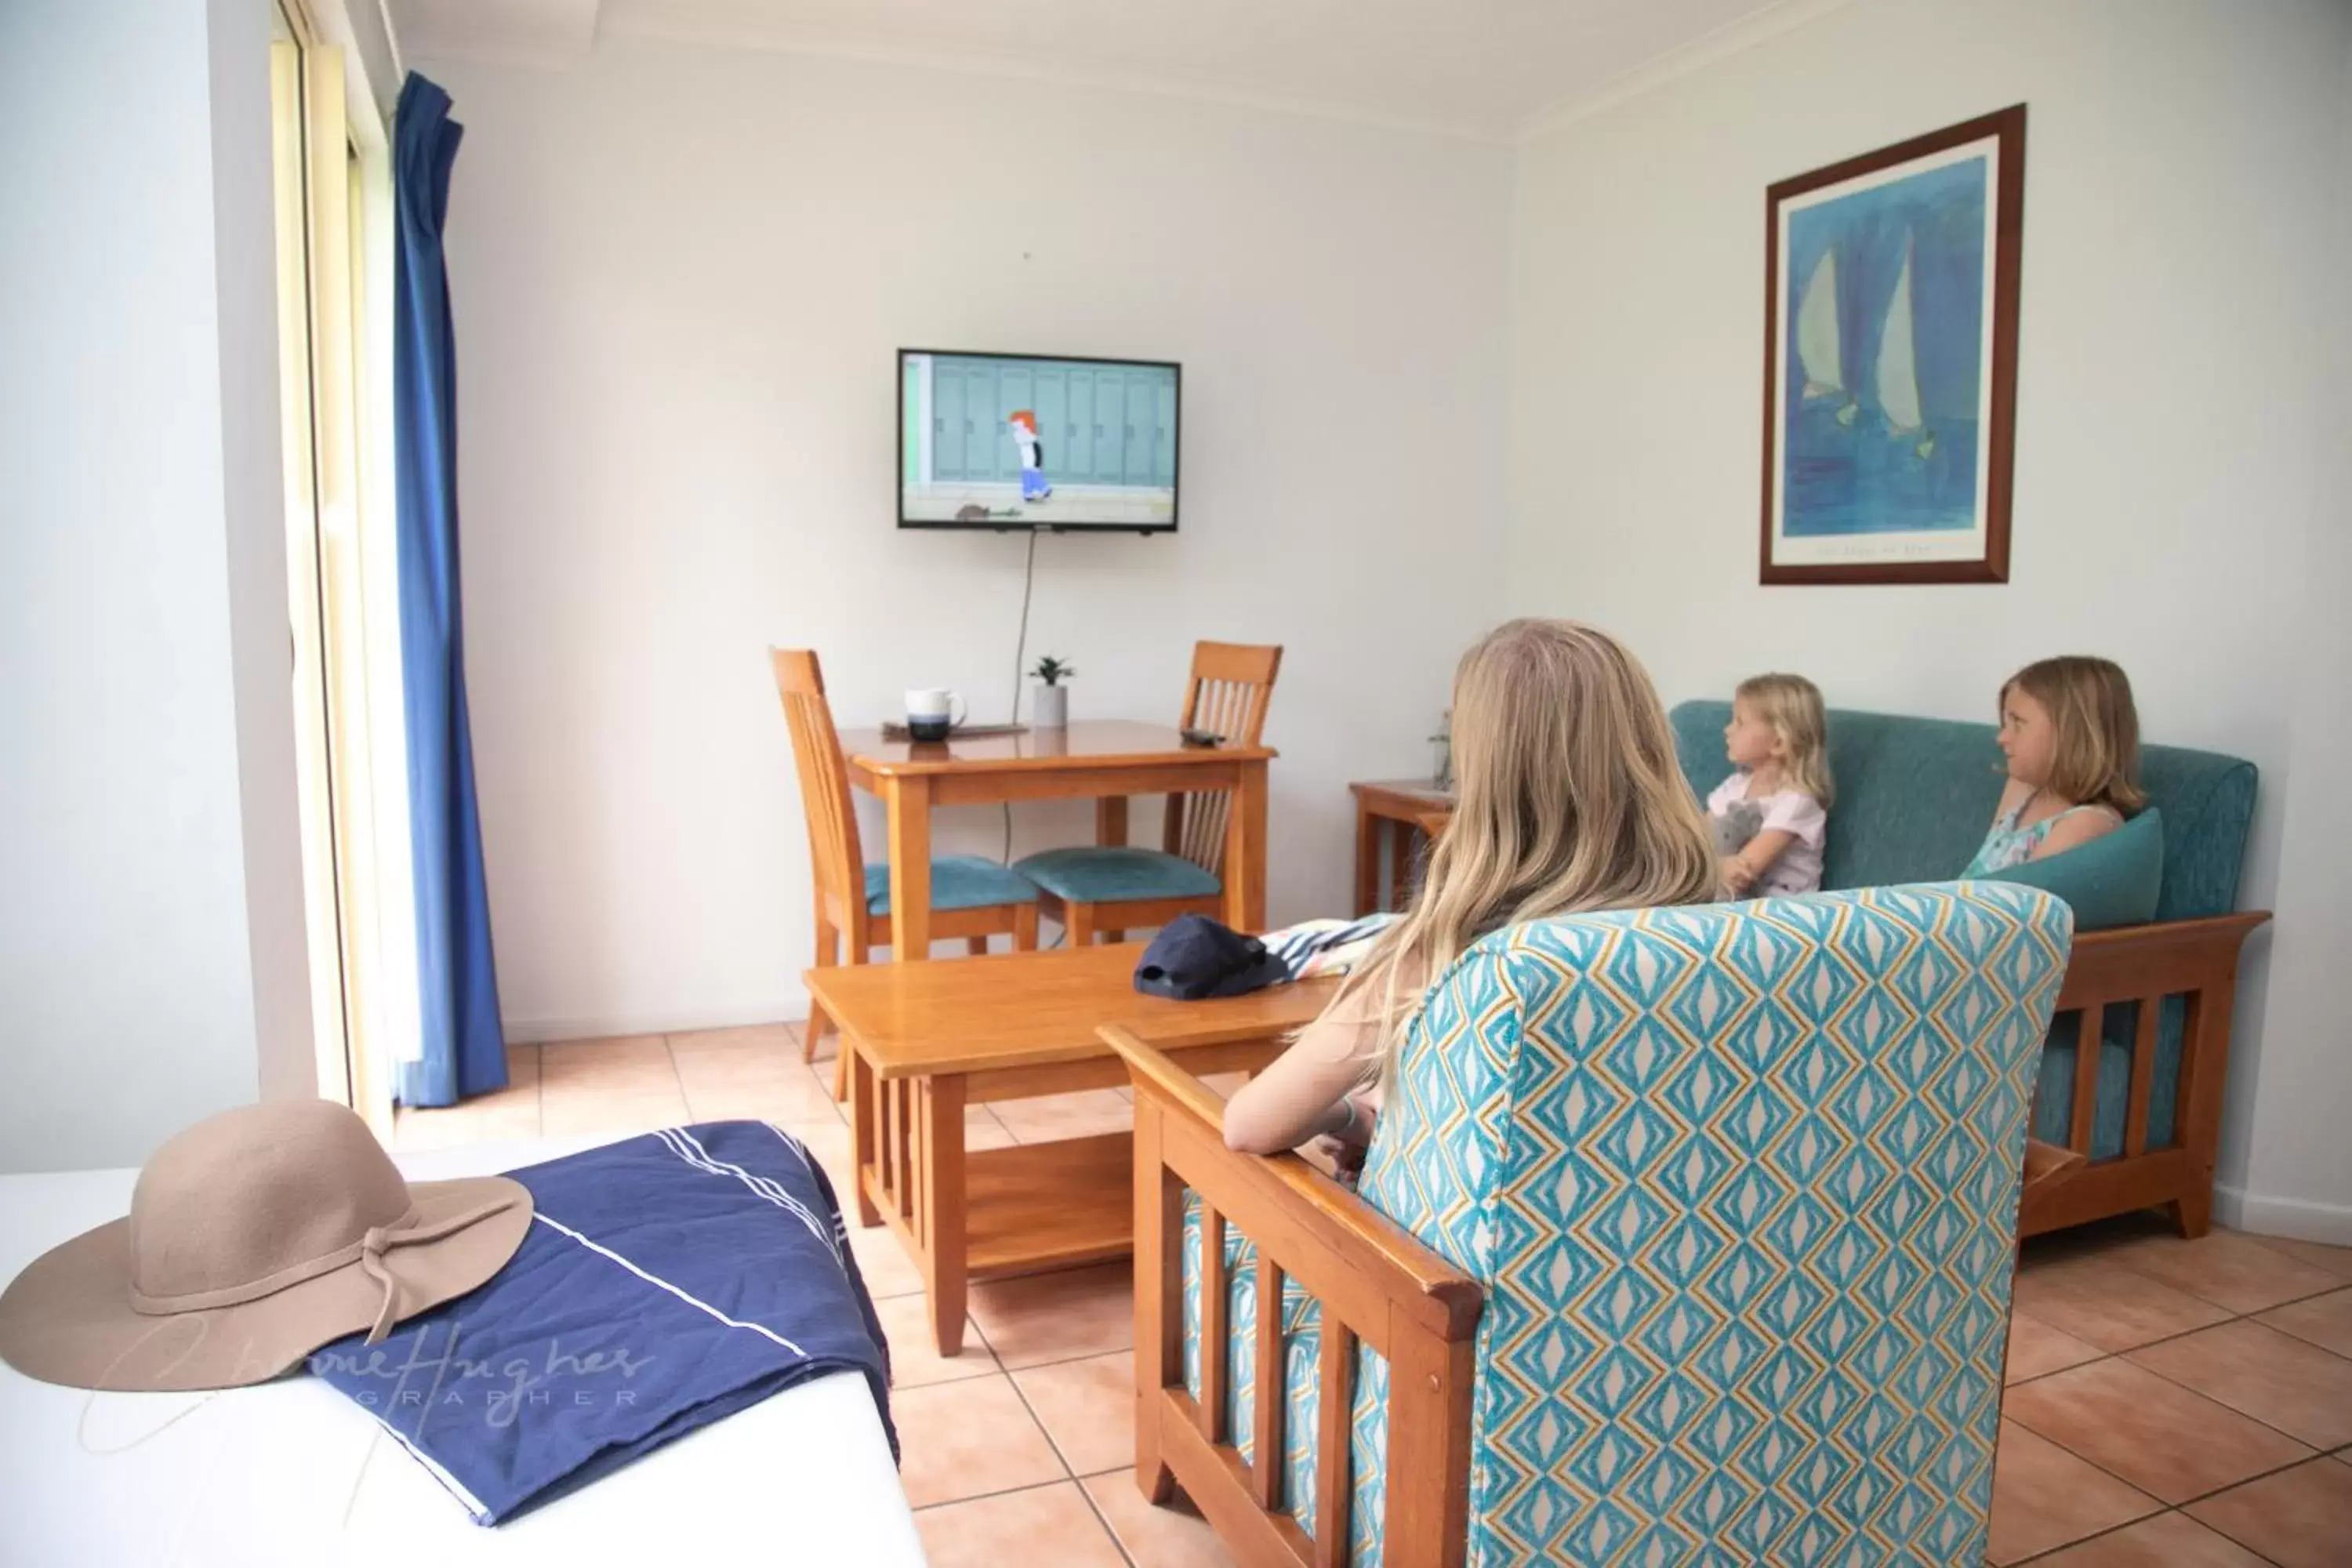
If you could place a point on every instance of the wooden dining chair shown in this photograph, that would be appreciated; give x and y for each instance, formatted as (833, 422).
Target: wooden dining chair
(1108, 890)
(972, 896)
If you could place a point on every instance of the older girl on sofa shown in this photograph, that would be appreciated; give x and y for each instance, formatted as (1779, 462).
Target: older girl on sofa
(2071, 737)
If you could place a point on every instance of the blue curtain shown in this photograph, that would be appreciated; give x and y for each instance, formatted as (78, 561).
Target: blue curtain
(464, 1047)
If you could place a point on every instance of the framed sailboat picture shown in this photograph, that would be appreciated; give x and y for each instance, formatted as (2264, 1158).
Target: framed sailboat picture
(1890, 359)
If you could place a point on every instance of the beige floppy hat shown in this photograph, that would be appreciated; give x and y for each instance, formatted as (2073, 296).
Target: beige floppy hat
(254, 1238)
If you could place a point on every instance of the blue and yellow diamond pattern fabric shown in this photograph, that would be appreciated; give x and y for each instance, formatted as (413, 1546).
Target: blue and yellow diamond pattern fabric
(1740, 1182)
(1301, 1345)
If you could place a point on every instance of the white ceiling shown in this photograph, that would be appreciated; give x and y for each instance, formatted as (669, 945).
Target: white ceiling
(538, 31)
(1481, 68)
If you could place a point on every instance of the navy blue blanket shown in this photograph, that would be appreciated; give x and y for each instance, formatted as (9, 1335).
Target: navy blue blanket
(666, 1282)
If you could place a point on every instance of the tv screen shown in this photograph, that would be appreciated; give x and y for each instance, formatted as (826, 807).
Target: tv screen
(1020, 441)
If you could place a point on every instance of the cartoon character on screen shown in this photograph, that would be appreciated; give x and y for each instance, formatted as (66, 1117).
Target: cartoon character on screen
(1033, 455)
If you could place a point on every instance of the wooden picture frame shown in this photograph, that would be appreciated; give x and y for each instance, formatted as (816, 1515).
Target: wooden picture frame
(1890, 359)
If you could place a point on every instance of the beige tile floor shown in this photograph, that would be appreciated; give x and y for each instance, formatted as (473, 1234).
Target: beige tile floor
(2171, 1404)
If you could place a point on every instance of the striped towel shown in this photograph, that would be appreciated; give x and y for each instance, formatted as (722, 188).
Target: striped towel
(666, 1282)
(1325, 946)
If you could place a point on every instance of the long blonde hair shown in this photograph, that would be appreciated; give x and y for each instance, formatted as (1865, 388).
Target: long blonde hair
(2090, 704)
(1792, 706)
(1567, 798)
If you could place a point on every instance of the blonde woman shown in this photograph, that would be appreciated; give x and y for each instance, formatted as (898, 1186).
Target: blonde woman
(1771, 817)
(2071, 733)
(1567, 798)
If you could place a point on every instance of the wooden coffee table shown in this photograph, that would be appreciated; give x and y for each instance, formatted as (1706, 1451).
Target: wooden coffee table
(924, 1040)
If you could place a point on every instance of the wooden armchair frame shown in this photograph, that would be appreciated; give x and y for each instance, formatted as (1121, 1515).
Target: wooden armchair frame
(1375, 1284)
(2197, 959)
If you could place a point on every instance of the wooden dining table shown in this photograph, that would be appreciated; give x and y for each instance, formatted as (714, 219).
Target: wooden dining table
(1105, 760)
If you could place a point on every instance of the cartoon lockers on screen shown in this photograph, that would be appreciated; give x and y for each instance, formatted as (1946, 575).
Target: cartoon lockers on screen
(1097, 425)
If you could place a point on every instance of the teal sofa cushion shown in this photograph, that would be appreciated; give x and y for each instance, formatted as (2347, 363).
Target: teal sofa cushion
(2113, 880)
(958, 882)
(2053, 1096)
(1915, 796)
(1097, 874)
(2110, 881)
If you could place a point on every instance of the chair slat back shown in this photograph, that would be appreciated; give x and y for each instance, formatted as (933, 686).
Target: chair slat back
(1230, 687)
(834, 855)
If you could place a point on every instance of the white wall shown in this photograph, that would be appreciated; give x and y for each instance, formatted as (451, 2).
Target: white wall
(680, 278)
(2299, 1162)
(143, 714)
(2175, 416)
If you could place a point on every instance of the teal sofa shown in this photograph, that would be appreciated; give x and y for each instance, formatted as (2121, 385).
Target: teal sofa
(1687, 1239)
(1914, 799)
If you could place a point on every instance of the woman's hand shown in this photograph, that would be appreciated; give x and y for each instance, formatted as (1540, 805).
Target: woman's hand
(1345, 1159)
(1299, 1095)
(1344, 1149)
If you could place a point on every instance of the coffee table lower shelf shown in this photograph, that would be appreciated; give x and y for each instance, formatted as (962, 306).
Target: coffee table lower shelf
(1034, 1207)
(1024, 1209)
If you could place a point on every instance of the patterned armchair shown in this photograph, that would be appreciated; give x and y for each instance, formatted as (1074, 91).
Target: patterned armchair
(1687, 1238)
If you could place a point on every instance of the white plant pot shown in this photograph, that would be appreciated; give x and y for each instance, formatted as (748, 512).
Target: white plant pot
(1049, 707)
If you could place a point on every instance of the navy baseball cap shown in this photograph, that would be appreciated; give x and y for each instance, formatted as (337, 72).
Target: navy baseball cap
(1194, 957)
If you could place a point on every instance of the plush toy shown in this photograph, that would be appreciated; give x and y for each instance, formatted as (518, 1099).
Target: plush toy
(1735, 828)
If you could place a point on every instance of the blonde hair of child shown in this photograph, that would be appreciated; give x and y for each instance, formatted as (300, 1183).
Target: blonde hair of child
(1567, 798)
(2097, 762)
(1791, 705)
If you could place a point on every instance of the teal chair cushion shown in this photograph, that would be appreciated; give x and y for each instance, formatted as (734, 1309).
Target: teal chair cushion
(1301, 1340)
(2113, 880)
(958, 882)
(1096, 874)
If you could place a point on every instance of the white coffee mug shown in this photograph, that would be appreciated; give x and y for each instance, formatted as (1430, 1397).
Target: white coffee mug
(932, 712)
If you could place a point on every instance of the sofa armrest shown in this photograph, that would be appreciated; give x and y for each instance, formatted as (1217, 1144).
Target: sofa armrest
(1373, 1283)
(2197, 960)
(2125, 962)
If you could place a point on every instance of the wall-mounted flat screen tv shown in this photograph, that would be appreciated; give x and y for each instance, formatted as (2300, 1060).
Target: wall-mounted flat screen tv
(1024, 441)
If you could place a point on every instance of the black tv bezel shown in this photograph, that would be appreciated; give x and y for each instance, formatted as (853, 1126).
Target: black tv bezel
(898, 469)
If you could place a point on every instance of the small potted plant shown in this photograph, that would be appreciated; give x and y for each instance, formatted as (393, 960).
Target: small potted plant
(1049, 700)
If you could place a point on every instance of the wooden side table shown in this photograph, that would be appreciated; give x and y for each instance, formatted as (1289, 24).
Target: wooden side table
(1403, 814)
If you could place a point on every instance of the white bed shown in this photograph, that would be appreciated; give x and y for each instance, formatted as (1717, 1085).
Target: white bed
(293, 1472)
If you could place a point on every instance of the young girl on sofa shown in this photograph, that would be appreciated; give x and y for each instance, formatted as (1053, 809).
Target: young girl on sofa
(1772, 816)
(2071, 737)
(1567, 798)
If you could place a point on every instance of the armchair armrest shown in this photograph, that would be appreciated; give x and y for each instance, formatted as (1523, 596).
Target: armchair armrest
(1372, 1281)
(2195, 960)
(1332, 1217)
